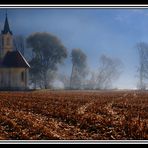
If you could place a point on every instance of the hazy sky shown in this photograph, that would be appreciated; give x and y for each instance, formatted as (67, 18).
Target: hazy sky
(96, 31)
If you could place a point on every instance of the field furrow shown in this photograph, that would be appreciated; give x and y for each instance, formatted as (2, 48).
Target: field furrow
(74, 115)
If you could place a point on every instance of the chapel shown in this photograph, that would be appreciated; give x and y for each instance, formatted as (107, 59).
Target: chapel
(14, 68)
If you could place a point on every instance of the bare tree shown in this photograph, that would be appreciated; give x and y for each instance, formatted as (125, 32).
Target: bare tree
(79, 69)
(91, 82)
(143, 64)
(109, 71)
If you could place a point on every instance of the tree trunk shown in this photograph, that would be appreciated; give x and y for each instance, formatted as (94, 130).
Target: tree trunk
(142, 87)
(71, 77)
(45, 80)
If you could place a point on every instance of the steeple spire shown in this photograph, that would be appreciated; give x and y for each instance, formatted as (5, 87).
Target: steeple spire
(7, 38)
(6, 12)
(6, 26)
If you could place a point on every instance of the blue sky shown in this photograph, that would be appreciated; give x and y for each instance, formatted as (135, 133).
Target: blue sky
(97, 31)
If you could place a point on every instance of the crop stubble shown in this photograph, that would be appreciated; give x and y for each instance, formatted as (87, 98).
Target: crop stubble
(74, 115)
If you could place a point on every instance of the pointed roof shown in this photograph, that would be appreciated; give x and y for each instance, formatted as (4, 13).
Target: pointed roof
(14, 59)
(6, 27)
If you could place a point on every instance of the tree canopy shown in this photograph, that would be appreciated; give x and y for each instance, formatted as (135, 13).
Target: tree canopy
(79, 68)
(48, 52)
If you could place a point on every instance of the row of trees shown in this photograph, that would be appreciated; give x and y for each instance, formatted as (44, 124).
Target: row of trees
(48, 52)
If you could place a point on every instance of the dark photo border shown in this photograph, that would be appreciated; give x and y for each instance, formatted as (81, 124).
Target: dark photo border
(56, 4)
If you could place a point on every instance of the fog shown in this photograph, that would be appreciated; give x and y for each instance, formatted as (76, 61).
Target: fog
(110, 32)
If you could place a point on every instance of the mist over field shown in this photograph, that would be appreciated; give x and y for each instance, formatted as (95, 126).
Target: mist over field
(112, 33)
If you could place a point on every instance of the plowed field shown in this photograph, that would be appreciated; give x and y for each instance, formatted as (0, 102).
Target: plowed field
(74, 115)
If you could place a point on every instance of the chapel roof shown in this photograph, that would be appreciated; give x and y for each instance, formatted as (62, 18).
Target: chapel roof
(14, 59)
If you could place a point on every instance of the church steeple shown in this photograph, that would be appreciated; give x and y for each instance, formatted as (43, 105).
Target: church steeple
(7, 38)
(6, 27)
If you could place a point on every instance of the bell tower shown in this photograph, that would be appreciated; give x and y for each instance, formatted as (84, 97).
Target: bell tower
(7, 38)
